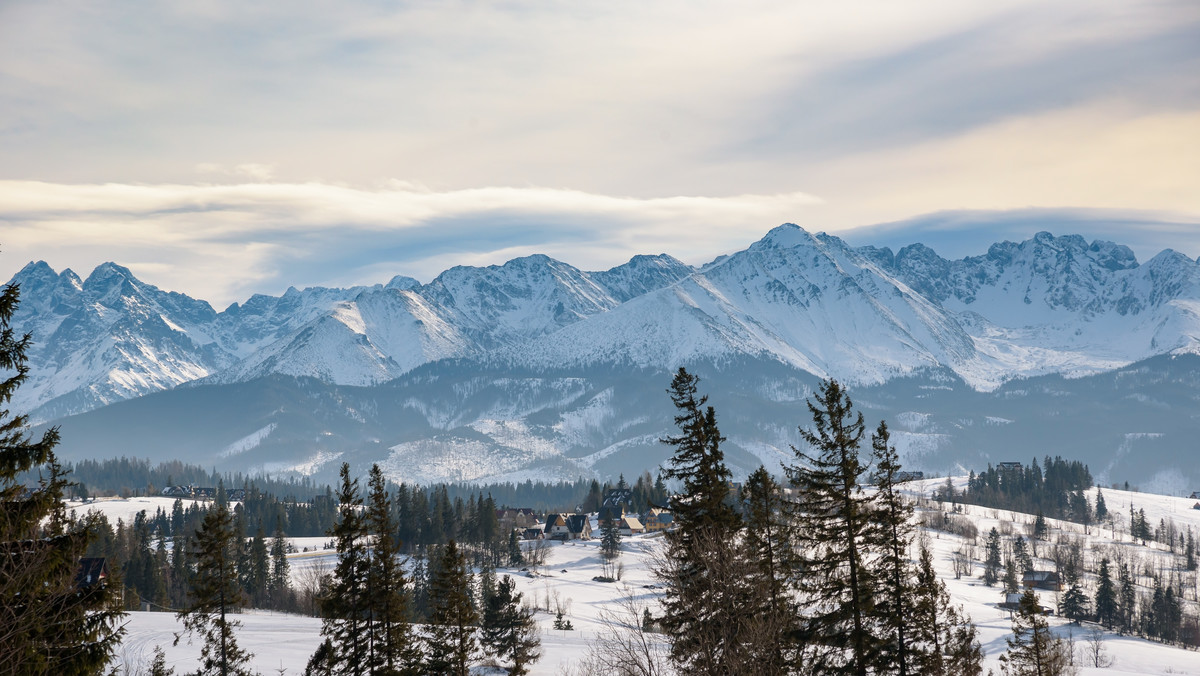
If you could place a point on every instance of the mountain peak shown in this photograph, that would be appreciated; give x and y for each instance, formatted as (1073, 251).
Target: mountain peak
(402, 283)
(786, 236)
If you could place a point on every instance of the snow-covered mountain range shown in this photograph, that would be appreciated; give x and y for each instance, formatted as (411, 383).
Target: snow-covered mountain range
(809, 304)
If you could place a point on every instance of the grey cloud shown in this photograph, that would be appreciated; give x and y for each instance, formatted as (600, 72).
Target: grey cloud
(969, 79)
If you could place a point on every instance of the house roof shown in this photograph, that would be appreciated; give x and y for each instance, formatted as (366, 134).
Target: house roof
(91, 571)
(615, 496)
(577, 523)
(632, 523)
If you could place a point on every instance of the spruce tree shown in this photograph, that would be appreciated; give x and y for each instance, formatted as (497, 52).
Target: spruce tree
(1101, 507)
(768, 545)
(515, 555)
(1127, 603)
(344, 608)
(392, 646)
(1039, 526)
(893, 515)
(1106, 597)
(610, 539)
(1012, 581)
(700, 612)
(451, 641)
(49, 624)
(508, 629)
(1021, 555)
(1074, 605)
(214, 594)
(834, 518)
(1033, 650)
(943, 641)
(991, 565)
(279, 584)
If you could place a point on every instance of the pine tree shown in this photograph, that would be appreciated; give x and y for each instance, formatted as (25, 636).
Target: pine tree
(1189, 551)
(893, 516)
(451, 630)
(509, 631)
(1039, 526)
(991, 565)
(610, 539)
(215, 592)
(256, 578)
(834, 520)
(1021, 555)
(392, 646)
(1074, 605)
(1127, 605)
(158, 666)
(515, 556)
(1033, 650)
(943, 641)
(1106, 597)
(344, 607)
(701, 609)
(1101, 507)
(49, 624)
(768, 547)
(1012, 581)
(279, 585)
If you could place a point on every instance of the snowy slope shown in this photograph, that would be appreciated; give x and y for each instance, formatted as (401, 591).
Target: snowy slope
(281, 641)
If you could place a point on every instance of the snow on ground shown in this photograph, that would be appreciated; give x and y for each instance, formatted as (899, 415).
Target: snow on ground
(127, 508)
(285, 642)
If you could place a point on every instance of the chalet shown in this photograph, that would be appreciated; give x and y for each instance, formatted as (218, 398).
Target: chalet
(1008, 465)
(657, 519)
(92, 570)
(630, 526)
(521, 518)
(612, 508)
(909, 476)
(1012, 602)
(1196, 506)
(1042, 579)
(177, 491)
(610, 513)
(618, 496)
(1195, 495)
(568, 527)
(533, 533)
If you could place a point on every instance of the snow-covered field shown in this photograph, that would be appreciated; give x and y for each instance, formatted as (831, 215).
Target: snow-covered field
(284, 642)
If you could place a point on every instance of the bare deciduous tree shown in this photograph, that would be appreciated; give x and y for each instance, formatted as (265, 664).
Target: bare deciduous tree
(624, 646)
(1096, 650)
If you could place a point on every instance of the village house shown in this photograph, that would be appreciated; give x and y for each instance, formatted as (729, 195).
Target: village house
(630, 525)
(518, 518)
(568, 527)
(1042, 579)
(92, 570)
(657, 519)
(612, 508)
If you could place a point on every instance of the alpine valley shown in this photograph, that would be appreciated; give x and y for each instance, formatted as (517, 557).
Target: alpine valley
(538, 370)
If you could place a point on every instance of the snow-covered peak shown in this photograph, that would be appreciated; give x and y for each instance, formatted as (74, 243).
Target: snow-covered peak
(402, 283)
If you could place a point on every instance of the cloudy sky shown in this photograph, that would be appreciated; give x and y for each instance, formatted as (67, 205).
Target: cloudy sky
(222, 148)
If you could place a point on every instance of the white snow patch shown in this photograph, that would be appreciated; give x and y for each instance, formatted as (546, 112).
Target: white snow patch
(247, 442)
